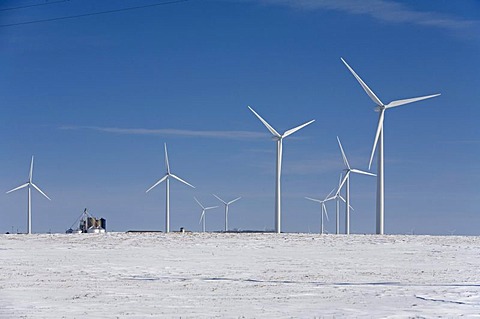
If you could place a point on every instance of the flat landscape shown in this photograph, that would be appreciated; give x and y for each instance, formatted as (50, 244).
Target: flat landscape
(195, 275)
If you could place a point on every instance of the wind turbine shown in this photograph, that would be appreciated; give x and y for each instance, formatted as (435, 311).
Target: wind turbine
(166, 178)
(204, 210)
(324, 208)
(346, 181)
(29, 185)
(279, 139)
(337, 198)
(226, 208)
(381, 107)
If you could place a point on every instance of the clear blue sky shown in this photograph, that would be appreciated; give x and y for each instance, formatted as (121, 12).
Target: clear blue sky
(94, 99)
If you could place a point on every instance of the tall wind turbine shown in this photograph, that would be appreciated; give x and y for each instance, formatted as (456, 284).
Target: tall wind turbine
(346, 181)
(166, 178)
(279, 139)
(324, 209)
(381, 107)
(29, 185)
(204, 210)
(226, 208)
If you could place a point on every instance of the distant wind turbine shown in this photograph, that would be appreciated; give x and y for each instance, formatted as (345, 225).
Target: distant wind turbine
(279, 139)
(337, 198)
(346, 181)
(324, 209)
(166, 178)
(29, 185)
(381, 107)
(204, 210)
(226, 208)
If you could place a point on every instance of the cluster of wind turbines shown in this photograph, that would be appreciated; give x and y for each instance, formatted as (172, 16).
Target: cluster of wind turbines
(345, 181)
(377, 144)
(166, 179)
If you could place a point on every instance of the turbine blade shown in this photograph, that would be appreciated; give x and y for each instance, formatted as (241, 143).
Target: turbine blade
(181, 180)
(365, 87)
(325, 210)
(158, 182)
(408, 101)
(377, 135)
(17, 188)
(211, 207)
(166, 159)
(313, 199)
(198, 203)
(233, 201)
(293, 130)
(40, 191)
(343, 199)
(268, 126)
(343, 182)
(329, 194)
(339, 180)
(343, 154)
(354, 170)
(220, 199)
(30, 176)
(201, 216)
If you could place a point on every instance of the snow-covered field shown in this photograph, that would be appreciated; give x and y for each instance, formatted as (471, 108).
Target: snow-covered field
(238, 275)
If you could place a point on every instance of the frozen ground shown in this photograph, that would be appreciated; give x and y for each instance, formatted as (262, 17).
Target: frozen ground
(238, 275)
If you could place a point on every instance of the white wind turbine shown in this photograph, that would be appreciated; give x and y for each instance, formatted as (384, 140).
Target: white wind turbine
(204, 210)
(226, 208)
(346, 181)
(337, 198)
(279, 139)
(381, 107)
(324, 209)
(166, 178)
(29, 185)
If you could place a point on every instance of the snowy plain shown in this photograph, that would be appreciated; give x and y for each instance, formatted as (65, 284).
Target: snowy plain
(227, 275)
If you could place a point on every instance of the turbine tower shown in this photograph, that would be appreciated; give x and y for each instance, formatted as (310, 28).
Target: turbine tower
(324, 208)
(346, 181)
(166, 178)
(381, 107)
(279, 139)
(226, 208)
(29, 185)
(204, 210)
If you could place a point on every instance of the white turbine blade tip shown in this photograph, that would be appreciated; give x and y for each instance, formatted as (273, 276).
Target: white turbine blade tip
(365, 87)
(377, 135)
(198, 203)
(408, 101)
(166, 158)
(181, 180)
(17, 188)
(293, 130)
(233, 201)
(345, 160)
(313, 199)
(268, 126)
(354, 170)
(220, 199)
(40, 191)
(158, 182)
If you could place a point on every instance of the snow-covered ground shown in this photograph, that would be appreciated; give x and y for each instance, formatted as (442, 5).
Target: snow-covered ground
(238, 275)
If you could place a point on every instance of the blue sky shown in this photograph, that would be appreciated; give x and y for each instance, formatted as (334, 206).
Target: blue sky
(94, 99)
